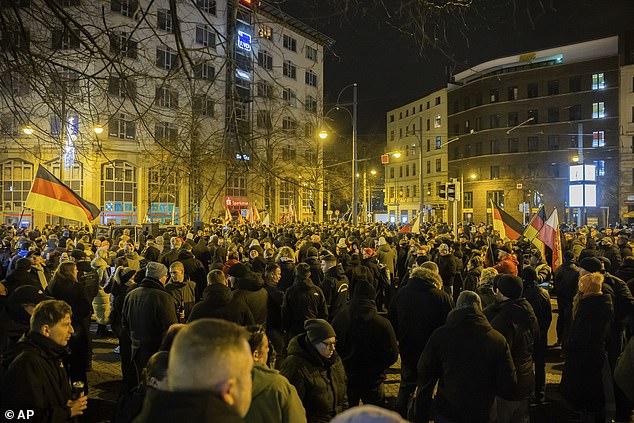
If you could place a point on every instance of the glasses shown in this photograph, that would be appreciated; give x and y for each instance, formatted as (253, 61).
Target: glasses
(329, 344)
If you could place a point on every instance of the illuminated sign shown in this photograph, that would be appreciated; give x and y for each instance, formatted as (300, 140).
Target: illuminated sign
(234, 203)
(580, 173)
(242, 74)
(242, 156)
(582, 195)
(244, 41)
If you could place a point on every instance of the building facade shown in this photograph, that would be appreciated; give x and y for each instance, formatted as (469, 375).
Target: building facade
(626, 132)
(161, 115)
(417, 151)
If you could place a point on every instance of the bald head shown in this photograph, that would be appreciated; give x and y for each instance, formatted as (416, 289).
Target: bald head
(223, 360)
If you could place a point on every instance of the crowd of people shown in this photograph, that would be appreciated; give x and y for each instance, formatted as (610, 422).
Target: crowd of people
(300, 322)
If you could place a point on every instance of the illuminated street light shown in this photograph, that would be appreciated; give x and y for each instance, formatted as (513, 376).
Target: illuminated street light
(473, 176)
(575, 159)
(98, 129)
(397, 155)
(373, 172)
(323, 134)
(27, 130)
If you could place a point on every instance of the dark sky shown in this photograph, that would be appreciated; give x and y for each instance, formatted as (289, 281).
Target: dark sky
(391, 70)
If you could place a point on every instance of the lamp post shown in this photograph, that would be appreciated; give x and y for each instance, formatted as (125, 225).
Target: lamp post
(354, 147)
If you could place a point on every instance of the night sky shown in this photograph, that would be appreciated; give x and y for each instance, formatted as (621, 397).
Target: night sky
(391, 69)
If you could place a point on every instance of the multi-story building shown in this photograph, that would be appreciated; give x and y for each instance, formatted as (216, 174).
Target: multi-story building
(417, 150)
(626, 133)
(160, 114)
(522, 120)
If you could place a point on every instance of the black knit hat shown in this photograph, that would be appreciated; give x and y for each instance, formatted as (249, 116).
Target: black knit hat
(591, 264)
(317, 330)
(510, 286)
(238, 270)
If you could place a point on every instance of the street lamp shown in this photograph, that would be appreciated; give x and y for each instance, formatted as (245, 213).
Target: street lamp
(354, 147)
(98, 129)
(27, 130)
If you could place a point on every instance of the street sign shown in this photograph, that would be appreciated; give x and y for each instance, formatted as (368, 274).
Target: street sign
(519, 186)
(385, 159)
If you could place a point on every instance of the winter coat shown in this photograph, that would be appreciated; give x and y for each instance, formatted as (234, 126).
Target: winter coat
(274, 399)
(148, 311)
(170, 257)
(187, 406)
(118, 293)
(386, 255)
(471, 279)
(274, 308)
(565, 283)
(184, 294)
(508, 265)
(516, 321)
(74, 294)
(447, 268)
(218, 303)
(612, 253)
(320, 382)
(287, 267)
(626, 271)
(194, 270)
(14, 323)
(487, 295)
(366, 343)
(302, 301)
(250, 290)
(101, 302)
(472, 361)
(37, 380)
(582, 378)
(372, 264)
(336, 289)
(88, 278)
(18, 278)
(539, 300)
(357, 272)
(316, 275)
(416, 311)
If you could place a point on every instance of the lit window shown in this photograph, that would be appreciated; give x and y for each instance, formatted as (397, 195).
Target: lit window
(598, 139)
(600, 166)
(598, 81)
(598, 110)
(437, 121)
(438, 142)
(265, 32)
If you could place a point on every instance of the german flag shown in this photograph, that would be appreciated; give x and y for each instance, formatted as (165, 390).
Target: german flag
(50, 195)
(536, 224)
(505, 224)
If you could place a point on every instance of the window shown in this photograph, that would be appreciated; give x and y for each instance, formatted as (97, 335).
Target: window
(15, 40)
(163, 186)
(553, 170)
(289, 69)
(478, 123)
(553, 114)
(438, 142)
(494, 121)
(598, 139)
(429, 187)
(65, 39)
(311, 53)
(392, 118)
(467, 150)
(166, 97)
(165, 131)
(406, 170)
(598, 110)
(290, 43)
(400, 133)
(438, 165)
(164, 20)
(533, 113)
(495, 147)
(531, 90)
(437, 101)
(428, 144)
(203, 105)
(478, 148)
(265, 32)
(513, 145)
(289, 124)
(428, 124)
(118, 187)
(15, 84)
(309, 130)
(392, 135)
(598, 81)
(478, 99)
(10, 125)
(289, 97)
(467, 200)
(532, 170)
(126, 7)
(310, 104)
(466, 103)
(73, 174)
(166, 58)
(400, 171)
(575, 112)
(391, 173)
(553, 87)
(513, 93)
(414, 169)
(513, 119)
(205, 36)
(121, 43)
(600, 167)
(497, 197)
(236, 185)
(437, 121)
(122, 126)
(439, 187)
(205, 70)
(16, 177)
(208, 6)
(121, 87)
(533, 143)
(67, 3)
(428, 166)
(495, 172)
(311, 78)
(574, 83)
(553, 142)
(494, 95)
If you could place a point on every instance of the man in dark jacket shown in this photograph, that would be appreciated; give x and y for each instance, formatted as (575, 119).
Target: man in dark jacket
(335, 284)
(218, 302)
(36, 379)
(250, 290)
(302, 301)
(447, 268)
(514, 318)
(148, 311)
(182, 289)
(171, 256)
(367, 345)
(312, 259)
(565, 281)
(194, 269)
(416, 311)
(472, 361)
(209, 376)
(610, 251)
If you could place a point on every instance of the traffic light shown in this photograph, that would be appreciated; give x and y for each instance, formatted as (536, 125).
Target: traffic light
(442, 191)
(453, 193)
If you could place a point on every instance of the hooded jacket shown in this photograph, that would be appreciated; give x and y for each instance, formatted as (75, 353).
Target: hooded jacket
(184, 294)
(195, 270)
(473, 363)
(335, 288)
(218, 302)
(273, 399)
(516, 321)
(302, 301)
(320, 382)
(287, 267)
(250, 290)
(386, 255)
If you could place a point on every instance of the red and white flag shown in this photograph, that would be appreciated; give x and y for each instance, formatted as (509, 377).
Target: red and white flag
(549, 235)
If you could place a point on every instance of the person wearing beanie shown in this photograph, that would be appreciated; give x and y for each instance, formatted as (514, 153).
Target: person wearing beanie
(565, 281)
(335, 285)
(587, 367)
(302, 301)
(315, 369)
(471, 362)
(149, 299)
(513, 317)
